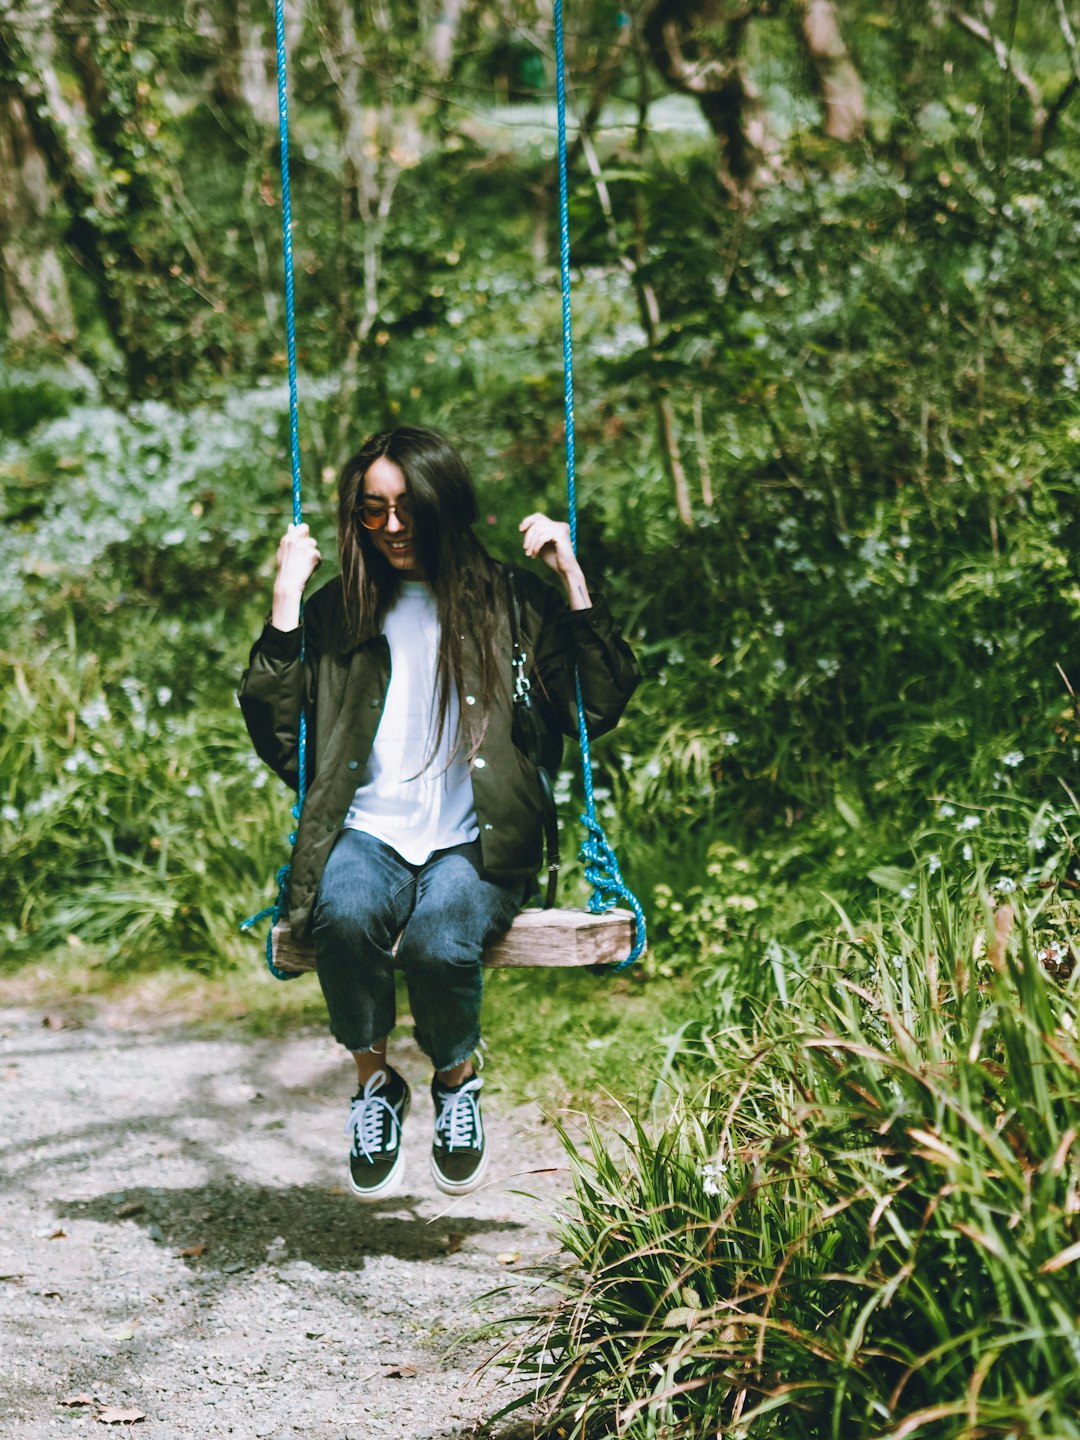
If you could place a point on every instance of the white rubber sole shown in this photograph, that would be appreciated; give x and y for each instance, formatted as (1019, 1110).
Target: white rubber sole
(389, 1185)
(461, 1187)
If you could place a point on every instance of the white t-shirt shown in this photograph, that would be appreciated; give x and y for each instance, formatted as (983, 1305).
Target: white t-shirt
(415, 804)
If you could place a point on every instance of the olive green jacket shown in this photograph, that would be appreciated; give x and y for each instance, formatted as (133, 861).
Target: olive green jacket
(342, 681)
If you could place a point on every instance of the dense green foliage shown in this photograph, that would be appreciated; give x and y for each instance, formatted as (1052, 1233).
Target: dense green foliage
(828, 436)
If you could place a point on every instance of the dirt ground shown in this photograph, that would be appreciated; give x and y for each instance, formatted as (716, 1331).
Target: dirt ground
(177, 1243)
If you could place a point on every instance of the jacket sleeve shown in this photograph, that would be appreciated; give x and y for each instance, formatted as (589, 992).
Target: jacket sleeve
(591, 640)
(277, 683)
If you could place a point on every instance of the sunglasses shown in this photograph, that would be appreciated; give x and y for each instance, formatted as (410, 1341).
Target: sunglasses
(373, 514)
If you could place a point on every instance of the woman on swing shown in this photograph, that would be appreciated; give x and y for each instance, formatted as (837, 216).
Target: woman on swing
(422, 819)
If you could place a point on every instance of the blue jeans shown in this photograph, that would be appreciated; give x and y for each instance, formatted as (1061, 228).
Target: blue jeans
(445, 911)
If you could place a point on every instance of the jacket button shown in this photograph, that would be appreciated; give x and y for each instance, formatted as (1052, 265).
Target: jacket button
(479, 762)
(375, 704)
(470, 699)
(489, 827)
(353, 764)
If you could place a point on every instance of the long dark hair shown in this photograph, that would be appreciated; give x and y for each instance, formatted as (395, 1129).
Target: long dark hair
(459, 570)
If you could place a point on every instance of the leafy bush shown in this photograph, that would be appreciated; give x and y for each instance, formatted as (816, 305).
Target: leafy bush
(127, 822)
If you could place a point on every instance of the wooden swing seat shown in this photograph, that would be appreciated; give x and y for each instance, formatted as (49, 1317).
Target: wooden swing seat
(555, 938)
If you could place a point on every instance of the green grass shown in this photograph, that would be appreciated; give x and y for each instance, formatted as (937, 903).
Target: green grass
(860, 1216)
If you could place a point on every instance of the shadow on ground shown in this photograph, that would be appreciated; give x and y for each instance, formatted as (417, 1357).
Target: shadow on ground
(239, 1223)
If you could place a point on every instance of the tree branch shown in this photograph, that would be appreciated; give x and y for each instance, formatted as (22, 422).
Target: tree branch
(1009, 66)
(1069, 35)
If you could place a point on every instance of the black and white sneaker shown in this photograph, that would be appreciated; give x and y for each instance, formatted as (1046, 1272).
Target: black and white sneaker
(376, 1161)
(458, 1159)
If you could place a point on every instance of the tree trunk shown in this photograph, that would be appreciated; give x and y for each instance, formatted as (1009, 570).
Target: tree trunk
(59, 134)
(34, 284)
(696, 46)
(837, 79)
(442, 42)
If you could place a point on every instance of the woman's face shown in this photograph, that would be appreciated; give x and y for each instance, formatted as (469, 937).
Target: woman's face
(384, 494)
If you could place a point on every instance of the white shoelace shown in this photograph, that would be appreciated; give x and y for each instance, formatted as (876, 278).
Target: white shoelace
(366, 1120)
(459, 1120)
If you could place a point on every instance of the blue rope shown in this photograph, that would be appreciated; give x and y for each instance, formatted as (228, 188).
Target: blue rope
(290, 334)
(601, 867)
(280, 906)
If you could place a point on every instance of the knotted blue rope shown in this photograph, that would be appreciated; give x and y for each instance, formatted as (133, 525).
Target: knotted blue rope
(601, 867)
(274, 912)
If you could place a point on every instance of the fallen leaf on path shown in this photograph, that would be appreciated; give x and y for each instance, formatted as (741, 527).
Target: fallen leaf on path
(77, 1400)
(508, 1257)
(191, 1253)
(52, 1295)
(58, 1235)
(133, 1207)
(59, 1022)
(399, 1372)
(111, 1416)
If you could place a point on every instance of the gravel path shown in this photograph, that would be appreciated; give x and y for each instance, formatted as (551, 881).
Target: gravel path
(177, 1242)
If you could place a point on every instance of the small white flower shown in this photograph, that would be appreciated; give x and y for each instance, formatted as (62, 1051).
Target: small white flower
(967, 851)
(730, 738)
(1005, 886)
(933, 864)
(711, 1172)
(163, 695)
(1012, 759)
(946, 812)
(95, 712)
(9, 813)
(970, 822)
